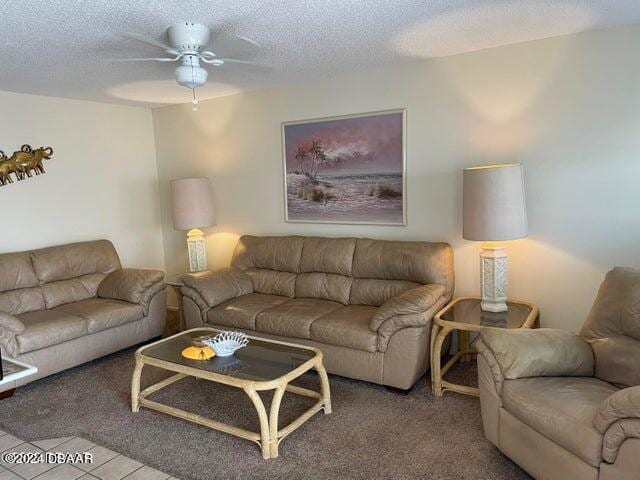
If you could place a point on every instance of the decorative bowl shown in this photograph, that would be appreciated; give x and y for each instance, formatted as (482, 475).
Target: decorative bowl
(226, 343)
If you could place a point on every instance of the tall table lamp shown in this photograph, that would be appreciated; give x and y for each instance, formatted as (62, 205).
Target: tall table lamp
(192, 207)
(494, 210)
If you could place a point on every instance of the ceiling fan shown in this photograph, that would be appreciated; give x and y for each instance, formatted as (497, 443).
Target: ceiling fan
(190, 44)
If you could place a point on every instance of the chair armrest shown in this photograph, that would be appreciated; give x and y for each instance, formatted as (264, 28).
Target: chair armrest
(415, 301)
(413, 308)
(10, 326)
(132, 285)
(624, 403)
(217, 287)
(618, 418)
(544, 352)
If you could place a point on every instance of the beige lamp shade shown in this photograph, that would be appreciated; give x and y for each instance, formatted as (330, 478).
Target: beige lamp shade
(494, 206)
(192, 203)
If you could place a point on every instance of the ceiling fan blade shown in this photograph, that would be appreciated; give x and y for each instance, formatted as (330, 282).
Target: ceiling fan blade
(234, 45)
(162, 59)
(151, 41)
(244, 63)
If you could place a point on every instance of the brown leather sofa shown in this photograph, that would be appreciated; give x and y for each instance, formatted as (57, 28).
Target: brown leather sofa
(65, 305)
(564, 406)
(367, 304)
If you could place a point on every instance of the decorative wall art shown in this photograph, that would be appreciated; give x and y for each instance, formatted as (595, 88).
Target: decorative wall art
(348, 169)
(23, 163)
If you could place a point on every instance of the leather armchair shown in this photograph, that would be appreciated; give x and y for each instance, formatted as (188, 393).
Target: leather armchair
(566, 406)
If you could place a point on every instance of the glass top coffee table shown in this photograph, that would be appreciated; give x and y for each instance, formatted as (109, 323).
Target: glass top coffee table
(261, 365)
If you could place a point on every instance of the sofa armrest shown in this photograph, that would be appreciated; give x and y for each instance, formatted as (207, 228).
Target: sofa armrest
(415, 301)
(618, 418)
(10, 326)
(544, 352)
(394, 323)
(217, 287)
(132, 285)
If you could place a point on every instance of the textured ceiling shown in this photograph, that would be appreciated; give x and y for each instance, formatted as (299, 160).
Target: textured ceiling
(58, 47)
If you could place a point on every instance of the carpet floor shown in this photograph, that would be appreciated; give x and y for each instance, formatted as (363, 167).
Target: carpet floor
(372, 433)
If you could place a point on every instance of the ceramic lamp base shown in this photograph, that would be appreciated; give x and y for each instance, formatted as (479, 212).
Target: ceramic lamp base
(197, 250)
(493, 278)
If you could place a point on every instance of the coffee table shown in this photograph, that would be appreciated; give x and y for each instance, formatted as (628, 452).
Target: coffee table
(13, 370)
(261, 365)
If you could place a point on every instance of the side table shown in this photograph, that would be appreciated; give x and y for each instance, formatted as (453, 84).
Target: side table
(175, 282)
(464, 315)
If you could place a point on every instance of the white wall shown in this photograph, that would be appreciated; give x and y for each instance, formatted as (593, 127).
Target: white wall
(100, 183)
(567, 108)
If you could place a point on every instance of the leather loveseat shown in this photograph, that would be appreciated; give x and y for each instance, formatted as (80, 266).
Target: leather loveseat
(563, 406)
(367, 304)
(65, 305)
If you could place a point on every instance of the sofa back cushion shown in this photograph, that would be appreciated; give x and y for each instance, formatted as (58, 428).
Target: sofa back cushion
(74, 260)
(19, 292)
(613, 327)
(419, 262)
(16, 271)
(52, 276)
(345, 270)
(271, 253)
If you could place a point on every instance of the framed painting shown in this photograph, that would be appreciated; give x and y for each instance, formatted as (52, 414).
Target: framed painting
(347, 169)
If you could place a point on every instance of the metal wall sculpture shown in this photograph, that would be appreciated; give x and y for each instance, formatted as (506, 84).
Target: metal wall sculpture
(23, 163)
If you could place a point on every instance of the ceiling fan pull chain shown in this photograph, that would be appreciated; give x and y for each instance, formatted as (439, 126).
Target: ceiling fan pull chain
(193, 88)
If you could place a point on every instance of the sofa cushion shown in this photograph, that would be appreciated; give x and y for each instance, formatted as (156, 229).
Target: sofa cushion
(272, 282)
(272, 253)
(327, 255)
(22, 300)
(562, 409)
(103, 313)
(369, 291)
(44, 328)
(324, 286)
(294, 317)
(347, 327)
(420, 262)
(72, 290)
(73, 260)
(17, 271)
(241, 312)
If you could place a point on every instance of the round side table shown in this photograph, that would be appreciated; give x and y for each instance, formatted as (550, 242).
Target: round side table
(464, 315)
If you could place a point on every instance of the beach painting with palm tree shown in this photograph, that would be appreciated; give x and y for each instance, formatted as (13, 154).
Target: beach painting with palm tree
(348, 169)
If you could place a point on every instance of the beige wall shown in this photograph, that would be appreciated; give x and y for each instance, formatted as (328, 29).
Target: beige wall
(100, 183)
(567, 108)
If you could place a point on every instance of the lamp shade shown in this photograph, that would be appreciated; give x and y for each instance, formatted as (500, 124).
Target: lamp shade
(494, 203)
(192, 203)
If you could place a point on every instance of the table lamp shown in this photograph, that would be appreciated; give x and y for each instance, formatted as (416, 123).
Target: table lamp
(494, 209)
(192, 207)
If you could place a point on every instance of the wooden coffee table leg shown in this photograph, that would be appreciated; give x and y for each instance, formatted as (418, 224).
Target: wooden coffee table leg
(135, 385)
(273, 419)
(265, 437)
(325, 390)
(7, 393)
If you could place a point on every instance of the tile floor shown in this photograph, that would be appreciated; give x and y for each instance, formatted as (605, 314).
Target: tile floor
(106, 465)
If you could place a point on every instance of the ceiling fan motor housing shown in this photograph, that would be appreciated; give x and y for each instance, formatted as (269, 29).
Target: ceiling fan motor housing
(189, 37)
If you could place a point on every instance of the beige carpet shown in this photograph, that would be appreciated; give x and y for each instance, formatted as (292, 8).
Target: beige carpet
(372, 433)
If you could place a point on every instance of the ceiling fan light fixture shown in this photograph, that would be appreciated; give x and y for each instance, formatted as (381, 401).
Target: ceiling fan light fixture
(191, 76)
